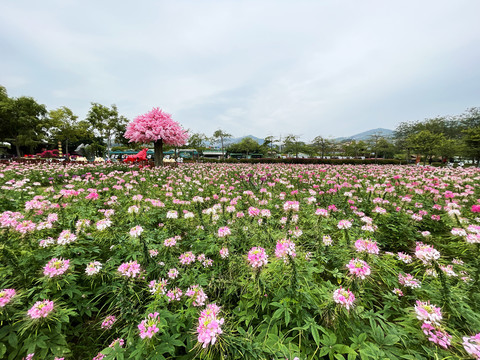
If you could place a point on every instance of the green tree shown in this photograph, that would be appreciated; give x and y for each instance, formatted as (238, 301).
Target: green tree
(355, 148)
(221, 135)
(425, 143)
(246, 145)
(293, 145)
(197, 141)
(65, 127)
(23, 121)
(322, 145)
(107, 122)
(472, 141)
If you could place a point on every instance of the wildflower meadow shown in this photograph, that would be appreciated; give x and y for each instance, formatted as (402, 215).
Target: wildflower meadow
(213, 261)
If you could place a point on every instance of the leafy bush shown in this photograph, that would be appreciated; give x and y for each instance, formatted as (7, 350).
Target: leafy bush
(256, 261)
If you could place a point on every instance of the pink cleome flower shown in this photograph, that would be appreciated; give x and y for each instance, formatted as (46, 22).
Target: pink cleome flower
(358, 268)
(187, 258)
(56, 267)
(93, 268)
(118, 341)
(6, 296)
(224, 231)
(427, 312)
(369, 246)
(130, 269)
(257, 257)
(158, 287)
(41, 309)
(344, 297)
(66, 237)
(285, 248)
(436, 335)
(224, 253)
(209, 325)
(196, 293)
(174, 294)
(472, 345)
(148, 327)
(136, 231)
(408, 280)
(426, 253)
(344, 224)
(108, 322)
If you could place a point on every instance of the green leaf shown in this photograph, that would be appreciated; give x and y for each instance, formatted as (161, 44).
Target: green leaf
(324, 351)
(315, 335)
(391, 339)
(287, 317)
(3, 349)
(13, 339)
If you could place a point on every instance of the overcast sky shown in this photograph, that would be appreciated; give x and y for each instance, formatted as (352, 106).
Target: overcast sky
(309, 68)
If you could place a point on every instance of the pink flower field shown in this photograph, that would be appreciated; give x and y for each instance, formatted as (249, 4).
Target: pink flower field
(214, 261)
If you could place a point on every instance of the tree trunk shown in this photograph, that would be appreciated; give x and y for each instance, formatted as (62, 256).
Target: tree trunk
(67, 157)
(18, 149)
(158, 152)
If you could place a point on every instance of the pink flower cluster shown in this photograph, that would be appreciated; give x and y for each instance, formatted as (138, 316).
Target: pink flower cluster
(187, 258)
(224, 231)
(130, 269)
(427, 312)
(196, 293)
(66, 237)
(436, 335)
(358, 268)
(175, 294)
(93, 268)
(158, 287)
(148, 327)
(367, 245)
(291, 206)
(344, 297)
(408, 280)
(118, 341)
(136, 231)
(108, 322)
(472, 345)
(224, 253)
(257, 257)
(56, 267)
(209, 325)
(426, 253)
(344, 224)
(284, 249)
(6, 296)
(170, 242)
(41, 309)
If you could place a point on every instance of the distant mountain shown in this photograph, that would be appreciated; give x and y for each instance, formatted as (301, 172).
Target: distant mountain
(229, 141)
(367, 134)
(237, 140)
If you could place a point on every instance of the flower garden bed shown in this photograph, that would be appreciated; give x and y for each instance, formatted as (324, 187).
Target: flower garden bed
(255, 261)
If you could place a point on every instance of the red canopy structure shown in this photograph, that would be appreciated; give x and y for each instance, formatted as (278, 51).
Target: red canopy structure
(141, 156)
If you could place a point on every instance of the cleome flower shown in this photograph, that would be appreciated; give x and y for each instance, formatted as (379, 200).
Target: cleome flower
(257, 257)
(344, 297)
(149, 326)
(41, 309)
(209, 325)
(427, 312)
(56, 267)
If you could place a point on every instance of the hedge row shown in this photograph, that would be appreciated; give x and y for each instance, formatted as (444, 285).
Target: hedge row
(307, 161)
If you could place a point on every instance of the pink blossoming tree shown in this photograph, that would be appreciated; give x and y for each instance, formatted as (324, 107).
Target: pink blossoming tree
(158, 127)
